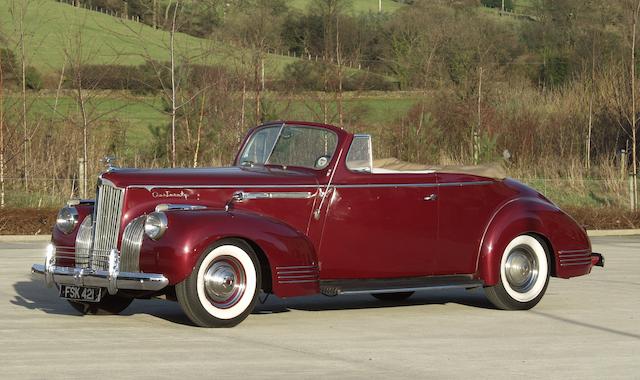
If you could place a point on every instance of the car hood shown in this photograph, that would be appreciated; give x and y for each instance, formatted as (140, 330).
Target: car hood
(228, 176)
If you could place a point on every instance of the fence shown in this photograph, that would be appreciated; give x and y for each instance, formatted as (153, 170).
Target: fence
(581, 192)
(109, 12)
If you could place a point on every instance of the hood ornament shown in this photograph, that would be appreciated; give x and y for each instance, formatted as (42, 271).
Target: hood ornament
(110, 163)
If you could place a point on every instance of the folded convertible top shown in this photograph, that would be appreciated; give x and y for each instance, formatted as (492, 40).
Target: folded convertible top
(492, 170)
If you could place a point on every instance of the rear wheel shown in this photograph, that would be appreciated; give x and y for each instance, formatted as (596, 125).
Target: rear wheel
(399, 296)
(109, 304)
(222, 289)
(524, 275)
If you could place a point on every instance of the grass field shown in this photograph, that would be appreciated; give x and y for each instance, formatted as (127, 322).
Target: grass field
(355, 5)
(52, 27)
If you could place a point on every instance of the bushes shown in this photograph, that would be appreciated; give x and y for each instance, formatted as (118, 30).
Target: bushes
(139, 79)
(146, 78)
(9, 63)
(319, 76)
(11, 71)
(32, 78)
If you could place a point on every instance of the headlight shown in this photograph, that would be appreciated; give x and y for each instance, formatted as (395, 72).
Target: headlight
(155, 225)
(67, 219)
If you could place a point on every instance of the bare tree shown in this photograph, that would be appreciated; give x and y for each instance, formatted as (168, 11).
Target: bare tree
(1, 133)
(255, 25)
(18, 10)
(634, 117)
(174, 105)
(89, 103)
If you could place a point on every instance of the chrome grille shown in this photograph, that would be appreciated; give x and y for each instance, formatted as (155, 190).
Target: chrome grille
(130, 247)
(83, 242)
(108, 213)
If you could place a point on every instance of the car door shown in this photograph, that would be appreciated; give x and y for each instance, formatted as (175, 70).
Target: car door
(380, 226)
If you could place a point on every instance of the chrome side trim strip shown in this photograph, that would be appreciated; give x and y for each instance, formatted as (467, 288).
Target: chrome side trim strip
(178, 207)
(301, 271)
(383, 185)
(295, 274)
(572, 264)
(296, 281)
(586, 250)
(241, 196)
(371, 185)
(298, 277)
(152, 187)
(570, 255)
(573, 259)
(298, 267)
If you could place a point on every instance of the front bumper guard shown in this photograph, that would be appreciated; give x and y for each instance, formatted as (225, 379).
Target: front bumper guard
(111, 279)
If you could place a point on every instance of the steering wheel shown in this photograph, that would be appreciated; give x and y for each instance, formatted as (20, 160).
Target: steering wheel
(322, 162)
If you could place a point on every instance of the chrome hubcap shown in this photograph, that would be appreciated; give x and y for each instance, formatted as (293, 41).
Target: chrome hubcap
(521, 269)
(224, 282)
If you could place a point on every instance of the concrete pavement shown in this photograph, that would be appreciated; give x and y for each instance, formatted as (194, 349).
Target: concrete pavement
(587, 327)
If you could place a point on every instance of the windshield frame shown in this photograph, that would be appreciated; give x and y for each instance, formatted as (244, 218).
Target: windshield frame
(281, 126)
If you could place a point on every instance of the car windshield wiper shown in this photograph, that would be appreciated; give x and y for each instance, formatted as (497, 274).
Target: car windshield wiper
(266, 161)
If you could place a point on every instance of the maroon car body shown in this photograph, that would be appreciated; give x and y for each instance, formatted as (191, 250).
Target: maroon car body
(328, 229)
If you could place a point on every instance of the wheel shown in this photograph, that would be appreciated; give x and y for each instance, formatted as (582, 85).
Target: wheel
(222, 289)
(399, 296)
(524, 275)
(108, 305)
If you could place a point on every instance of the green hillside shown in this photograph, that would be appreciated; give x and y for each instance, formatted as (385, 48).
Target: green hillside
(52, 27)
(356, 5)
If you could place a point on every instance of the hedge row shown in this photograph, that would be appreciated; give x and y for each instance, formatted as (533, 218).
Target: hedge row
(152, 77)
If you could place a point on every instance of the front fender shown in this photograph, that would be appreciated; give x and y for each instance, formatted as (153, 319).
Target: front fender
(535, 216)
(190, 233)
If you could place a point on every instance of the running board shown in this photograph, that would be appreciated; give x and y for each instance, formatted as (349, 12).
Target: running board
(394, 285)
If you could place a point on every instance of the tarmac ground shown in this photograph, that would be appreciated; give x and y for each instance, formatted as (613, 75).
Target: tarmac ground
(585, 327)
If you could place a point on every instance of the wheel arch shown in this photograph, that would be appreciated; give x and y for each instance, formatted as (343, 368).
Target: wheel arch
(520, 216)
(190, 233)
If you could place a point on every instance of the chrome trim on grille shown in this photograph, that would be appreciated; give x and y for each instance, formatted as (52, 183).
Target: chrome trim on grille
(108, 214)
(84, 240)
(131, 244)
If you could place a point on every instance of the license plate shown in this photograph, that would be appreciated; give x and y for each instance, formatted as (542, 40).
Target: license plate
(80, 293)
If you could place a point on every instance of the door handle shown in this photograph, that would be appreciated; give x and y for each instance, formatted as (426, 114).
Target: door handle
(431, 197)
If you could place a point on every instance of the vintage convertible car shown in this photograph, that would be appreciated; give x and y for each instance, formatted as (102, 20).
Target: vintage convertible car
(306, 210)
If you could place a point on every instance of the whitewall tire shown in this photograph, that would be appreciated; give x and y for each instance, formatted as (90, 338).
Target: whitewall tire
(223, 287)
(524, 275)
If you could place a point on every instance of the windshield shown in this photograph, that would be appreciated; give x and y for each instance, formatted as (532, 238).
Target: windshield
(290, 145)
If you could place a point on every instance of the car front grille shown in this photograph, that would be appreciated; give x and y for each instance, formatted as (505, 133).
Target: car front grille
(84, 240)
(131, 244)
(98, 233)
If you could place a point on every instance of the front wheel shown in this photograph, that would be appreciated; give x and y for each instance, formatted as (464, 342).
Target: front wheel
(524, 275)
(222, 289)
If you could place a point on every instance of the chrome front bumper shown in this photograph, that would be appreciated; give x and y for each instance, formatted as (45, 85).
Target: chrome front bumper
(112, 278)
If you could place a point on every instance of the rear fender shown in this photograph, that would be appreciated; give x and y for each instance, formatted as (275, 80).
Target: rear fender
(190, 233)
(533, 216)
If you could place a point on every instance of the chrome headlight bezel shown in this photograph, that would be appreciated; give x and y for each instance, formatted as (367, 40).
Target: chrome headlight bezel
(155, 225)
(67, 219)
